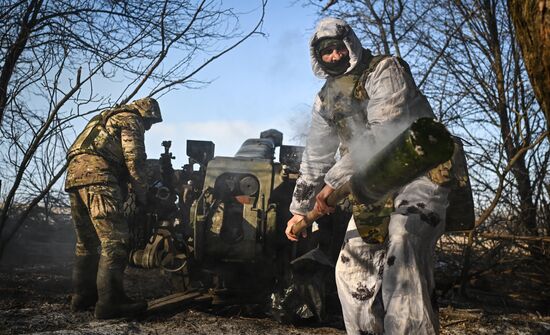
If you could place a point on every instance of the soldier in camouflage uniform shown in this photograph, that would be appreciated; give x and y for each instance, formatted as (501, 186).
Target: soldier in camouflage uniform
(384, 274)
(105, 157)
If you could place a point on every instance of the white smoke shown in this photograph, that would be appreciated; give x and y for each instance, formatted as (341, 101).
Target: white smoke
(377, 138)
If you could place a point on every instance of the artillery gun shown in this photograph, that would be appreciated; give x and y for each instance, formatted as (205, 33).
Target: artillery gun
(217, 224)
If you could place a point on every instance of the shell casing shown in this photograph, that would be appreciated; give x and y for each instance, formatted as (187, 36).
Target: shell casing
(419, 148)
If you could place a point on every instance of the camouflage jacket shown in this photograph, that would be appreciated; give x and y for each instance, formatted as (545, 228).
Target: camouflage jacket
(110, 149)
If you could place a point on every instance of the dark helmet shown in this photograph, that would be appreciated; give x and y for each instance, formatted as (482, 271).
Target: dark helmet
(148, 108)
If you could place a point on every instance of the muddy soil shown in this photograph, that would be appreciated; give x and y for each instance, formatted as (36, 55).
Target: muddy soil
(509, 298)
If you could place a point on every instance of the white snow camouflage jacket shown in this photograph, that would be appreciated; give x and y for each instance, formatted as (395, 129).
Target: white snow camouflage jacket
(363, 126)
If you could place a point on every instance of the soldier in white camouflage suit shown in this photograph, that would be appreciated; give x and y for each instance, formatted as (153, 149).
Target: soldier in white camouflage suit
(105, 157)
(384, 275)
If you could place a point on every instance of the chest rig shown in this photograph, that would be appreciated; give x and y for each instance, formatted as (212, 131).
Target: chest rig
(345, 100)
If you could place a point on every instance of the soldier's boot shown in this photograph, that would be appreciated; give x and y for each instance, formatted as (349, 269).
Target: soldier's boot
(113, 302)
(84, 282)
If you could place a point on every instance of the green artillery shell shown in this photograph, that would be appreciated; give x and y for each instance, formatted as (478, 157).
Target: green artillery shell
(418, 149)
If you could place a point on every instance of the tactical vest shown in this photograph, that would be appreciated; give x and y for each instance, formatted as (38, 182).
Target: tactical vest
(96, 140)
(344, 108)
(343, 99)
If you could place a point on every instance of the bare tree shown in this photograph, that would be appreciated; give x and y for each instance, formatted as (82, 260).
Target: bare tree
(56, 53)
(490, 79)
(530, 19)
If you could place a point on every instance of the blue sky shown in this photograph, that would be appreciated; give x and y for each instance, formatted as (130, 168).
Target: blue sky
(264, 83)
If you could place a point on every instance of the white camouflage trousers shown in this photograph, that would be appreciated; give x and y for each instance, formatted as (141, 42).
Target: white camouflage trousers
(389, 288)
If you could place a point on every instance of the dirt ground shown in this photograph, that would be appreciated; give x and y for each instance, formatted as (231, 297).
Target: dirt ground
(511, 297)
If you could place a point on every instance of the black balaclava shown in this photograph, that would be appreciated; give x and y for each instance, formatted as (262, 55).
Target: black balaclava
(333, 69)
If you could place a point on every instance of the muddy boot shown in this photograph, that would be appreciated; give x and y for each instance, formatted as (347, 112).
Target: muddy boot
(84, 282)
(113, 302)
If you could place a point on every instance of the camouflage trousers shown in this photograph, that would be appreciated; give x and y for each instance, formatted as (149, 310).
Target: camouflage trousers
(99, 221)
(388, 288)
